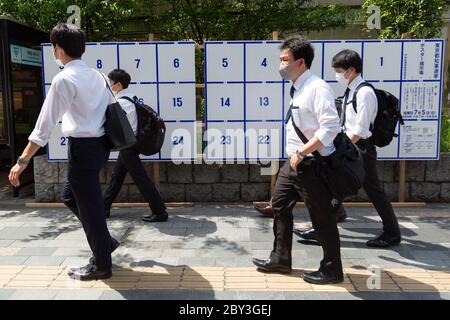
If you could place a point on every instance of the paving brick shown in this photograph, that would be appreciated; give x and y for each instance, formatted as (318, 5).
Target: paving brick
(33, 294)
(44, 261)
(12, 260)
(36, 251)
(86, 294)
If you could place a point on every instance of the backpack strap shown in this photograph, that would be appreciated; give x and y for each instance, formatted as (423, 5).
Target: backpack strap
(128, 99)
(362, 84)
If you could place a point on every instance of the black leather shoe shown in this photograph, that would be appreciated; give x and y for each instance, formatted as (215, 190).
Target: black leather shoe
(114, 245)
(384, 241)
(309, 234)
(270, 266)
(266, 211)
(107, 213)
(320, 277)
(90, 273)
(156, 217)
(84, 269)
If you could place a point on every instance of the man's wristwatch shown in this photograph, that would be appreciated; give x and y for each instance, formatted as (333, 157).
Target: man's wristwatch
(21, 161)
(299, 154)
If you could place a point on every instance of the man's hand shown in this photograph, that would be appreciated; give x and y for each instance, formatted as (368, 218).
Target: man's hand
(15, 173)
(295, 161)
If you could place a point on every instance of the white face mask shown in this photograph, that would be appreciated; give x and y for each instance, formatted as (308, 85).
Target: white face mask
(57, 61)
(340, 78)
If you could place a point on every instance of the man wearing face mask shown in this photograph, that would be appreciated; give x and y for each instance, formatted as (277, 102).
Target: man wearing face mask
(128, 160)
(357, 125)
(78, 96)
(314, 112)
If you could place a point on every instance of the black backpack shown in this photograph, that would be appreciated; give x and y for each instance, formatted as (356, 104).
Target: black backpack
(151, 129)
(387, 118)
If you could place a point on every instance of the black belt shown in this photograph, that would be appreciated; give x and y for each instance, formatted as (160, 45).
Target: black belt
(86, 138)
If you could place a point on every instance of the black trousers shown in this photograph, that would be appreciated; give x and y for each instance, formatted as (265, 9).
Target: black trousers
(307, 184)
(83, 195)
(374, 190)
(129, 161)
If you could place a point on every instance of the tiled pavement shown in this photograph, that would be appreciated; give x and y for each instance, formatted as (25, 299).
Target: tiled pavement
(205, 252)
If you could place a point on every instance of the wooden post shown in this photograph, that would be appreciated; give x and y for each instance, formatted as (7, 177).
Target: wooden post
(274, 164)
(402, 181)
(155, 165)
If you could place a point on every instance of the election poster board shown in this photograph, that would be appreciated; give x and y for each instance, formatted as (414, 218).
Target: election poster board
(247, 101)
(162, 76)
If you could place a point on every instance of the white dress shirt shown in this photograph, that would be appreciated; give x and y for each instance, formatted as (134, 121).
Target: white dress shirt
(78, 97)
(128, 107)
(358, 123)
(317, 114)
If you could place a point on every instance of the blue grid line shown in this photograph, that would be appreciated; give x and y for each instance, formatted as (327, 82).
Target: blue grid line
(440, 99)
(157, 85)
(400, 99)
(205, 76)
(362, 58)
(118, 57)
(245, 100)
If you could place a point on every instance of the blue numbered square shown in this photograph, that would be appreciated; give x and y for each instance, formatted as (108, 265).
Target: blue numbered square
(262, 61)
(264, 140)
(101, 56)
(264, 101)
(225, 141)
(180, 141)
(139, 60)
(177, 101)
(146, 94)
(51, 69)
(225, 102)
(176, 62)
(316, 66)
(382, 60)
(224, 62)
(330, 50)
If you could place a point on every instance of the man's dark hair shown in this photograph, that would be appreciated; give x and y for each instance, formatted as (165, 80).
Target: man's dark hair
(347, 59)
(119, 75)
(300, 48)
(70, 38)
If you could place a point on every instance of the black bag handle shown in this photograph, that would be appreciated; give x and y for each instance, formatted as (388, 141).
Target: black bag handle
(304, 139)
(107, 85)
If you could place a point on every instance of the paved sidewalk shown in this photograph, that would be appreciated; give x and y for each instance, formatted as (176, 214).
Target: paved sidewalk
(205, 252)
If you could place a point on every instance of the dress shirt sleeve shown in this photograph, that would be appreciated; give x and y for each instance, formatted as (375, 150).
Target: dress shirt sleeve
(366, 107)
(55, 105)
(326, 114)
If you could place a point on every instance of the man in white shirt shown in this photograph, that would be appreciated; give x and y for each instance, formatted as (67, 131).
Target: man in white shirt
(358, 124)
(79, 96)
(314, 112)
(128, 160)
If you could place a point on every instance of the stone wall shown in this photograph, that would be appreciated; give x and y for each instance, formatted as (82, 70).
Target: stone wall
(425, 181)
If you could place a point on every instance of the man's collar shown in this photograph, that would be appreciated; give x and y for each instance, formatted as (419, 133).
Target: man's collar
(301, 80)
(355, 82)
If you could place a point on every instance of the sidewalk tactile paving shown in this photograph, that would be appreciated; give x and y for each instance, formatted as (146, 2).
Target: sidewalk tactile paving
(220, 278)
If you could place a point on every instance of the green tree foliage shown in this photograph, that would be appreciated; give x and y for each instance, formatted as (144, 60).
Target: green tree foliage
(99, 19)
(238, 20)
(182, 19)
(417, 18)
